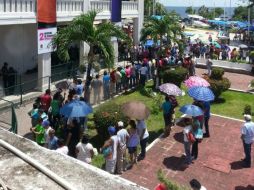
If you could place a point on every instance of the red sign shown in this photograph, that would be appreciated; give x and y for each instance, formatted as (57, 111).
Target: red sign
(46, 11)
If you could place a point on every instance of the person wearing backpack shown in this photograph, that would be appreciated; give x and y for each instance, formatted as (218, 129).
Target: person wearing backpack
(109, 150)
(188, 138)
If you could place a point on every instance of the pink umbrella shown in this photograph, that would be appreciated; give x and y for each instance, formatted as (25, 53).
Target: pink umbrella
(196, 81)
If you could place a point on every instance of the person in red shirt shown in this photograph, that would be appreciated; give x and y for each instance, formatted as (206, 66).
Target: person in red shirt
(46, 100)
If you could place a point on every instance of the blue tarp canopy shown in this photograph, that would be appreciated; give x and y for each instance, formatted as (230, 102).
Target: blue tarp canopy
(218, 22)
(158, 17)
(251, 28)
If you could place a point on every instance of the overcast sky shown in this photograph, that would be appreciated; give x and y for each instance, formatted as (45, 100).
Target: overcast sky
(208, 3)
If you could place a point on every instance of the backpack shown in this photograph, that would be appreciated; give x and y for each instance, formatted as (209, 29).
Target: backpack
(191, 137)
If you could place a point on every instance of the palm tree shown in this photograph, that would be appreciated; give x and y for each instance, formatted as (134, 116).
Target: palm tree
(190, 10)
(82, 29)
(168, 26)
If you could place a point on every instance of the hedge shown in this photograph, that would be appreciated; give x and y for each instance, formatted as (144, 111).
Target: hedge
(175, 76)
(108, 115)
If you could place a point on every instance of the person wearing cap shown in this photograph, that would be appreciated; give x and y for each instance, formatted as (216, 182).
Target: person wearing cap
(123, 137)
(47, 128)
(112, 144)
(247, 137)
(39, 132)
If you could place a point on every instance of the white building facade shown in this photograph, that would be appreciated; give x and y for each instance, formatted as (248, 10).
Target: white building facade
(18, 28)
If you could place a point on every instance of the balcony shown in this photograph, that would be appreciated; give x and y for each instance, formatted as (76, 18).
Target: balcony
(24, 11)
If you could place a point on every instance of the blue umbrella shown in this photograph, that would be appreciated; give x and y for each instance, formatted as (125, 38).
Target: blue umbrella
(191, 110)
(201, 93)
(76, 108)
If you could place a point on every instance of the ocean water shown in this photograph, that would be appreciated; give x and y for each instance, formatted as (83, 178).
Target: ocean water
(181, 11)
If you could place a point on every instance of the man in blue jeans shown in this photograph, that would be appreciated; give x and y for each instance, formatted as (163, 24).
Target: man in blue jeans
(247, 132)
(143, 136)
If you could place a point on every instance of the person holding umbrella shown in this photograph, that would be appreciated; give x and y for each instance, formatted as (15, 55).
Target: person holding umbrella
(167, 115)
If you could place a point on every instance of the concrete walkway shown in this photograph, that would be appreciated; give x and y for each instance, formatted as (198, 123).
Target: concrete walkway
(218, 166)
(238, 81)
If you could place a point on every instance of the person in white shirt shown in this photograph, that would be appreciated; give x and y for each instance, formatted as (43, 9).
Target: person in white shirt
(84, 150)
(143, 136)
(143, 74)
(123, 136)
(247, 137)
(133, 142)
(61, 147)
(112, 145)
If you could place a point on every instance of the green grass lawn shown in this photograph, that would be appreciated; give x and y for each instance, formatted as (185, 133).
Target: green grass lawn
(231, 105)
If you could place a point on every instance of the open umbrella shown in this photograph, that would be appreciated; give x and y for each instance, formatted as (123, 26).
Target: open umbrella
(170, 89)
(135, 109)
(201, 93)
(191, 110)
(196, 81)
(243, 46)
(76, 108)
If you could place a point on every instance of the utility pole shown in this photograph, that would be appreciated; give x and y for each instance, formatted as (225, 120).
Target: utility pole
(154, 7)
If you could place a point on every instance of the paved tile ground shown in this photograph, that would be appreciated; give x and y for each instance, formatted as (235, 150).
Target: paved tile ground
(238, 81)
(218, 166)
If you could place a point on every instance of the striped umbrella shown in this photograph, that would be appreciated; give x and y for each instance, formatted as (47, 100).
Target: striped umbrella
(196, 81)
(170, 89)
(201, 93)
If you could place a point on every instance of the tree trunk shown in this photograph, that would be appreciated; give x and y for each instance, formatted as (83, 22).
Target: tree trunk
(90, 62)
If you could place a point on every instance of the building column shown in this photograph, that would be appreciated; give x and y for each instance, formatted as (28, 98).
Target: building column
(115, 45)
(44, 71)
(86, 6)
(138, 22)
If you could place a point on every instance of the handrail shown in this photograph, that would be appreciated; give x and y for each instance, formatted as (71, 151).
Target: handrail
(14, 121)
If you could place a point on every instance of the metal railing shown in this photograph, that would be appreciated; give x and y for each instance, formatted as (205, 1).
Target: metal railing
(9, 117)
(22, 87)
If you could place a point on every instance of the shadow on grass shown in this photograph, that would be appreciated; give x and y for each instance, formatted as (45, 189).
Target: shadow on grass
(175, 163)
(154, 135)
(219, 101)
(249, 187)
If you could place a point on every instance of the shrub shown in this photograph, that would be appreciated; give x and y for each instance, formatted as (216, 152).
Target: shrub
(168, 183)
(176, 76)
(247, 109)
(219, 86)
(218, 83)
(107, 115)
(215, 56)
(252, 54)
(217, 73)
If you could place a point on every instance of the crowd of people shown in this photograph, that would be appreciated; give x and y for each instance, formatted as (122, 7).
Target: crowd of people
(216, 51)
(68, 135)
